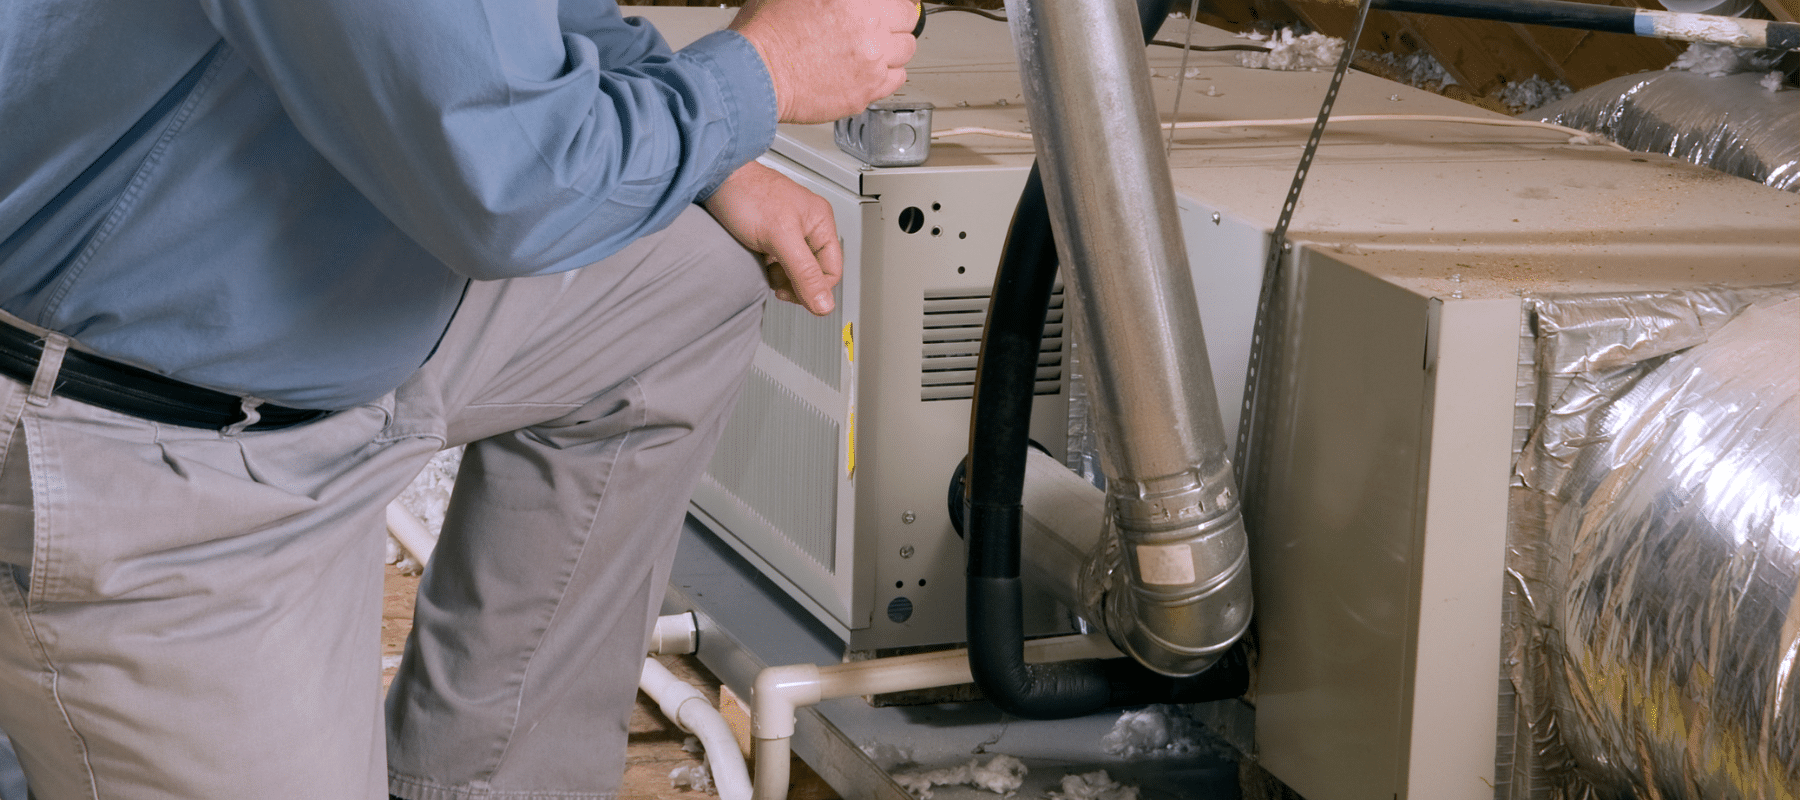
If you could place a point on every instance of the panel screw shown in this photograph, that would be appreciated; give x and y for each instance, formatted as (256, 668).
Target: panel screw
(906, 551)
(909, 517)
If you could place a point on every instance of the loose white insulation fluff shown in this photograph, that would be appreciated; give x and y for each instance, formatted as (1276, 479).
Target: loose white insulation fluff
(696, 777)
(1289, 50)
(1418, 70)
(1533, 92)
(1154, 731)
(692, 777)
(1718, 60)
(1293, 52)
(1002, 774)
(1093, 786)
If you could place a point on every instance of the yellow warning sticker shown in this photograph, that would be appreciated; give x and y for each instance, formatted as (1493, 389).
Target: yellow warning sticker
(850, 442)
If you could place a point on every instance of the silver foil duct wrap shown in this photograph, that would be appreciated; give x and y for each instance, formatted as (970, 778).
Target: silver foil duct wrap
(1729, 123)
(1654, 553)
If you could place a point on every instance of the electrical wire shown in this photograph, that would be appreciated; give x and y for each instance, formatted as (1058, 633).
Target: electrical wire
(1213, 48)
(1583, 137)
(965, 9)
(1198, 48)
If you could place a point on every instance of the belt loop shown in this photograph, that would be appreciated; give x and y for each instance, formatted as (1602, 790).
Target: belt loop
(248, 406)
(49, 365)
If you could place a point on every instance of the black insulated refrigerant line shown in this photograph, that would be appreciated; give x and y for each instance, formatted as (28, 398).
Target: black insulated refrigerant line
(1647, 23)
(1006, 377)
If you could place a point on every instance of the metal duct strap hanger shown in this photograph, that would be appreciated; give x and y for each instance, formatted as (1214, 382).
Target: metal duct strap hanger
(1263, 330)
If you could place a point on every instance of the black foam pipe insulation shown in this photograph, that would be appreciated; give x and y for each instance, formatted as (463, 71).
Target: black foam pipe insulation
(994, 483)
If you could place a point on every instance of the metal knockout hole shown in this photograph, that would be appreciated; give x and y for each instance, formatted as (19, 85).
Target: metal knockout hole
(911, 219)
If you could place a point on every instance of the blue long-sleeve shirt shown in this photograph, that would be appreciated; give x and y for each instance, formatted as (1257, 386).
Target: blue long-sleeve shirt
(287, 199)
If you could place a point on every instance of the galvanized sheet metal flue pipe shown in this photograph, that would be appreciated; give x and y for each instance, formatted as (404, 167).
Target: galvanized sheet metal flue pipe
(1180, 593)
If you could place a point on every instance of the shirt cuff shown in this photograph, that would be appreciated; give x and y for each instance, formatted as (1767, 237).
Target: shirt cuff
(747, 93)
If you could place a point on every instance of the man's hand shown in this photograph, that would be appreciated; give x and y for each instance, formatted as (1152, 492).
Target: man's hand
(791, 227)
(830, 58)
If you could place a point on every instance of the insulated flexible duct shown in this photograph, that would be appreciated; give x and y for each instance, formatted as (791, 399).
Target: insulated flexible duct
(1731, 123)
(1655, 550)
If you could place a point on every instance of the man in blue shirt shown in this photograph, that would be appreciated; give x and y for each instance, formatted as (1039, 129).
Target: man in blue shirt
(259, 259)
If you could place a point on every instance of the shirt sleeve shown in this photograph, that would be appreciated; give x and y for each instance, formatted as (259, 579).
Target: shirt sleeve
(509, 138)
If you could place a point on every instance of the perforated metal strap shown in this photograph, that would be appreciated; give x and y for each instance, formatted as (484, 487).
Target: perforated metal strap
(1255, 382)
(1187, 45)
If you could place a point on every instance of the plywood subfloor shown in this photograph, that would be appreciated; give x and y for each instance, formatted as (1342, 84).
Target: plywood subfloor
(655, 747)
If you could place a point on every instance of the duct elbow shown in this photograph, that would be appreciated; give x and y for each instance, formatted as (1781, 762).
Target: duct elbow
(1162, 566)
(1179, 622)
(1181, 583)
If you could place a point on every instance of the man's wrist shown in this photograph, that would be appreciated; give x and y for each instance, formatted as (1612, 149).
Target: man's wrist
(746, 90)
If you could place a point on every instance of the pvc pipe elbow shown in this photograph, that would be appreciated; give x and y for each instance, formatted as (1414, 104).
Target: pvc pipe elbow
(669, 692)
(777, 693)
(689, 709)
(675, 635)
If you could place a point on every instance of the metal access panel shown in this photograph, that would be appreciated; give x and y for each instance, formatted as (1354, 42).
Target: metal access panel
(1382, 511)
(833, 474)
(781, 486)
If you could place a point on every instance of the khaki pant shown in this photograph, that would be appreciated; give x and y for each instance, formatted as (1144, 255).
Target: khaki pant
(195, 615)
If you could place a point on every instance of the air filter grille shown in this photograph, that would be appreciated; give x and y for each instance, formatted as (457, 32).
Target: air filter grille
(778, 457)
(812, 343)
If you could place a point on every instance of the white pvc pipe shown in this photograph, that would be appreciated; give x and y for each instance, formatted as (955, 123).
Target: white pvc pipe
(412, 534)
(675, 635)
(771, 769)
(683, 704)
(780, 691)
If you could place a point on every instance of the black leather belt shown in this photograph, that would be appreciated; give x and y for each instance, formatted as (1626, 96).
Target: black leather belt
(138, 392)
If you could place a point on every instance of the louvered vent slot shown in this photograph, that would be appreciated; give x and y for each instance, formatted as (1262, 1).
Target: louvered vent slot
(952, 341)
